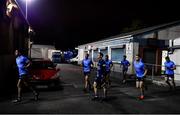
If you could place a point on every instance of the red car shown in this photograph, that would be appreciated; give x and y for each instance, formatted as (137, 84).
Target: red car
(44, 72)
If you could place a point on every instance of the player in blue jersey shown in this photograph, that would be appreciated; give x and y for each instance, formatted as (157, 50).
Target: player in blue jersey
(87, 65)
(141, 72)
(109, 65)
(23, 63)
(169, 71)
(124, 64)
(99, 81)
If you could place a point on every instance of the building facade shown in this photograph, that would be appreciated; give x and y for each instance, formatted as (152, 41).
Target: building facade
(153, 44)
(13, 35)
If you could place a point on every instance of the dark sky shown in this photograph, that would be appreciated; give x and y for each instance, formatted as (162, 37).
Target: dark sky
(69, 23)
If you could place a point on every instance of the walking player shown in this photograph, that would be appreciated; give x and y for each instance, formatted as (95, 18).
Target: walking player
(23, 63)
(99, 81)
(125, 64)
(87, 64)
(170, 67)
(141, 72)
(109, 65)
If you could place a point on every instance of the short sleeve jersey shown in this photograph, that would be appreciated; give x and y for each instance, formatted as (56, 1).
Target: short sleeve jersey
(101, 66)
(168, 66)
(108, 65)
(139, 68)
(87, 65)
(125, 64)
(21, 62)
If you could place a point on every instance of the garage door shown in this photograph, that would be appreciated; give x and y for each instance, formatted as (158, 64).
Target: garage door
(117, 54)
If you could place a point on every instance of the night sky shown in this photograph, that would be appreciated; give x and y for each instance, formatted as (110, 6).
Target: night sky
(69, 23)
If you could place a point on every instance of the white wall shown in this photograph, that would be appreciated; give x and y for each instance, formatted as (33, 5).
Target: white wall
(169, 33)
(164, 54)
(80, 55)
(131, 50)
(175, 57)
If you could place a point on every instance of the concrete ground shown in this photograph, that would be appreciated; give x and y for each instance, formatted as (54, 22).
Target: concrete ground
(69, 97)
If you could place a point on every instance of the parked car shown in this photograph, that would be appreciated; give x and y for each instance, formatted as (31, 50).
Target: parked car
(44, 72)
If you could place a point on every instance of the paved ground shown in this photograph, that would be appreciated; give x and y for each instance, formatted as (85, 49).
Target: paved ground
(69, 98)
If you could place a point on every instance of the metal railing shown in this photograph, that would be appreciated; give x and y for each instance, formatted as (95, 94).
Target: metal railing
(154, 70)
(154, 66)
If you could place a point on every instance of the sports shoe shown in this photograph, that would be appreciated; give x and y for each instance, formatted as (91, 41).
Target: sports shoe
(124, 81)
(17, 100)
(94, 98)
(141, 97)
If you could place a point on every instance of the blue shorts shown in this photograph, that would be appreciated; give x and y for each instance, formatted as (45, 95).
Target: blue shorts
(87, 73)
(107, 73)
(171, 76)
(139, 78)
(100, 82)
(23, 76)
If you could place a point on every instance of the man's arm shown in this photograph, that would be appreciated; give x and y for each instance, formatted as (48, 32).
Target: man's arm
(145, 71)
(129, 63)
(111, 65)
(82, 64)
(174, 67)
(28, 64)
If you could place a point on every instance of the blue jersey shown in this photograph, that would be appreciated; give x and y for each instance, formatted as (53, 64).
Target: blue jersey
(139, 68)
(87, 65)
(168, 66)
(125, 64)
(108, 65)
(101, 66)
(21, 62)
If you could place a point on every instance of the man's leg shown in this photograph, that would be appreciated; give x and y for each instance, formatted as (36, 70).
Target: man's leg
(86, 81)
(95, 88)
(173, 82)
(104, 91)
(167, 81)
(124, 76)
(19, 87)
(137, 84)
(26, 83)
(95, 91)
(141, 90)
(109, 81)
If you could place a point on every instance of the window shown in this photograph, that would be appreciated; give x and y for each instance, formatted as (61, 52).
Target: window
(90, 54)
(104, 51)
(117, 54)
(95, 55)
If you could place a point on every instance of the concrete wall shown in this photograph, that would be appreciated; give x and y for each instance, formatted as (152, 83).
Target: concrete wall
(169, 33)
(175, 57)
(8, 74)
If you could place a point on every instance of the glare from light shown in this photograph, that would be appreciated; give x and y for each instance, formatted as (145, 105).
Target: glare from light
(28, 1)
